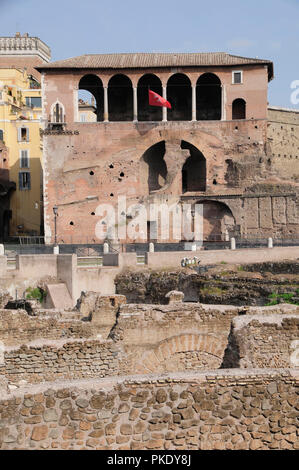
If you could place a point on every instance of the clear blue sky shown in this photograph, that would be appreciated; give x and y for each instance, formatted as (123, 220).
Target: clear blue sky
(266, 29)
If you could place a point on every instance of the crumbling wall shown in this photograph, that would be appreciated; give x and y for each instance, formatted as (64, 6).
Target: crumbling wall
(48, 361)
(117, 168)
(174, 337)
(17, 327)
(206, 411)
(268, 341)
(101, 310)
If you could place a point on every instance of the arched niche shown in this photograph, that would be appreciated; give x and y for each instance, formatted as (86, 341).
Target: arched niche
(218, 221)
(239, 109)
(155, 166)
(194, 171)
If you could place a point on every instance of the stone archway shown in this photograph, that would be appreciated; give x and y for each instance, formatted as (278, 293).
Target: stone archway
(184, 352)
(218, 221)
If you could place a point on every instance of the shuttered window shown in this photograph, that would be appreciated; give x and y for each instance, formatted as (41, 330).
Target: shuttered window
(24, 180)
(24, 159)
(23, 134)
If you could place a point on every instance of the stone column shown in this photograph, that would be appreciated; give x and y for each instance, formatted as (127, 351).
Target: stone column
(135, 105)
(164, 110)
(194, 103)
(223, 100)
(106, 116)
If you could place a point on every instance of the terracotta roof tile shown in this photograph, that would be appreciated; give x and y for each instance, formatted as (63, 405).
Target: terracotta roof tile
(151, 60)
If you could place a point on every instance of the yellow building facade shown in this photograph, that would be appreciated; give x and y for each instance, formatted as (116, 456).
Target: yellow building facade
(20, 125)
(20, 113)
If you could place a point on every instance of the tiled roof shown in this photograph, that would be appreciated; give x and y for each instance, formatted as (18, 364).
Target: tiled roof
(152, 60)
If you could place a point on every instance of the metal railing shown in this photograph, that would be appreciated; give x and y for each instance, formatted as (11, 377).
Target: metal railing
(96, 250)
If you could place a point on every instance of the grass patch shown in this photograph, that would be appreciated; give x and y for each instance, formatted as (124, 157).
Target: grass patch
(286, 298)
(212, 291)
(225, 273)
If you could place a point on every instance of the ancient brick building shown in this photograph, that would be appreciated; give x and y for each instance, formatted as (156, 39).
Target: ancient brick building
(213, 147)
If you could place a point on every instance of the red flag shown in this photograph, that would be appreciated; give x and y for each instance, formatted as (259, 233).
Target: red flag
(157, 100)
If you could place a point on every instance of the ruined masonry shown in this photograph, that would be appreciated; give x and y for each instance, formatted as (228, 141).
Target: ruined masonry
(220, 145)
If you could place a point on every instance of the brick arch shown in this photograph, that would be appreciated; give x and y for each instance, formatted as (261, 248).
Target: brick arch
(204, 343)
(219, 221)
(204, 141)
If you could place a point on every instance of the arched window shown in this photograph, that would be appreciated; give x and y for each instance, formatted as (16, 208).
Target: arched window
(145, 111)
(239, 109)
(194, 172)
(90, 99)
(179, 94)
(208, 98)
(120, 98)
(1, 135)
(57, 113)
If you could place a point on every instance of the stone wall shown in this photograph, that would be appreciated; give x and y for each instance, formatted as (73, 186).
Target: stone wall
(204, 411)
(48, 361)
(269, 341)
(172, 337)
(101, 310)
(17, 327)
(145, 339)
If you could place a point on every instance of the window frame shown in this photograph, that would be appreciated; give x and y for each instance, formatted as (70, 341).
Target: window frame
(233, 77)
(25, 158)
(20, 134)
(22, 186)
(29, 103)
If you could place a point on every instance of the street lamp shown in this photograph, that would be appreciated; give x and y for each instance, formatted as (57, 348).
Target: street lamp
(55, 210)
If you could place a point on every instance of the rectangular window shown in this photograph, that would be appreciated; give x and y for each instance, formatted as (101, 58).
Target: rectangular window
(82, 117)
(24, 180)
(24, 159)
(33, 101)
(237, 78)
(23, 134)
